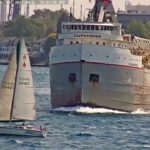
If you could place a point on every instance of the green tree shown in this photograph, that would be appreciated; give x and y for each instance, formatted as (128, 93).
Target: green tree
(148, 29)
(39, 25)
(26, 27)
(140, 29)
(51, 18)
(50, 41)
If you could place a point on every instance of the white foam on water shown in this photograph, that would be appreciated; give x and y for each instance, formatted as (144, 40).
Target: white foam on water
(146, 146)
(19, 141)
(88, 110)
(140, 111)
(97, 110)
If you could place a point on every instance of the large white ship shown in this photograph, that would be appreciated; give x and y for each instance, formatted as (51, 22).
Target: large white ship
(95, 64)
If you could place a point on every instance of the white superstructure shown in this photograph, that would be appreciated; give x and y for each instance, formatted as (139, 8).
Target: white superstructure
(92, 36)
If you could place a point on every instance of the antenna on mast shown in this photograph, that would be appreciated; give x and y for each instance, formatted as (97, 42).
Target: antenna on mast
(73, 7)
(28, 8)
(81, 12)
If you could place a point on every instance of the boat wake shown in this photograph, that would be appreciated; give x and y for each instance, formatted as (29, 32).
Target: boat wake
(140, 111)
(88, 110)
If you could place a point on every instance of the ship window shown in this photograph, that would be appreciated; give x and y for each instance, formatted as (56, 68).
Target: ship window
(75, 27)
(68, 27)
(100, 27)
(97, 28)
(97, 43)
(72, 77)
(64, 26)
(94, 78)
(107, 27)
(79, 27)
(83, 27)
(92, 27)
(88, 27)
(72, 27)
(111, 28)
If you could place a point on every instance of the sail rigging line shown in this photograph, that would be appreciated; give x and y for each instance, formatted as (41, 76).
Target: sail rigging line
(18, 48)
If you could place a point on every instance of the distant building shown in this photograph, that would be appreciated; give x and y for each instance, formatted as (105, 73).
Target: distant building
(3, 13)
(138, 8)
(136, 12)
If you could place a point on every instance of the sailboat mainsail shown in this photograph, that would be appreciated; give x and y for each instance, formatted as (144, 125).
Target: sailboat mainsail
(7, 89)
(20, 104)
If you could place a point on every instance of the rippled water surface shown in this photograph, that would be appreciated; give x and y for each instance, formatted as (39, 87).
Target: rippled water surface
(80, 128)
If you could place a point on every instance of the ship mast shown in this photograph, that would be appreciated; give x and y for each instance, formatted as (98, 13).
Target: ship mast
(103, 11)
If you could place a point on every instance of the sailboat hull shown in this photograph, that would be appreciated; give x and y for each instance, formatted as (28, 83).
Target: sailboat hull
(22, 132)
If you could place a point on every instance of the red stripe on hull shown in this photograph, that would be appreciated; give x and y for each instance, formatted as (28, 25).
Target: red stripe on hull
(98, 63)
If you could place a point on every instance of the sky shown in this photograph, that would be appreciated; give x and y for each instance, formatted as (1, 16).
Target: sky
(118, 4)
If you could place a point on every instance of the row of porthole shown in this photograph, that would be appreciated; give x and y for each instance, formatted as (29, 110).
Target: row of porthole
(106, 56)
(97, 43)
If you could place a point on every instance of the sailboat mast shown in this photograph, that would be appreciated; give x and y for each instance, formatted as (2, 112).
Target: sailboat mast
(17, 66)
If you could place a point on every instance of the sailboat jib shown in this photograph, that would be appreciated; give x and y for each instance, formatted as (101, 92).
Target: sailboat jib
(24, 99)
(7, 89)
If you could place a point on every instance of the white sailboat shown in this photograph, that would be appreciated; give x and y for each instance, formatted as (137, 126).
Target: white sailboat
(17, 100)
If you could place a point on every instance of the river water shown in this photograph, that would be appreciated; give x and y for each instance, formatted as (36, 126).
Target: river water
(80, 128)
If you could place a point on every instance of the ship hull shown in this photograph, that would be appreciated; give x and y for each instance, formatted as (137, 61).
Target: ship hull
(117, 87)
(95, 64)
